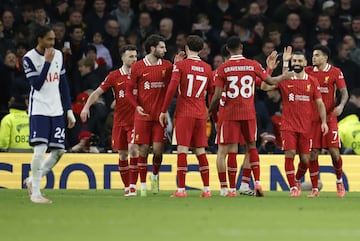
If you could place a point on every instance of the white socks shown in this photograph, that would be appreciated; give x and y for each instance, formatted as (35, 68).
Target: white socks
(39, 152)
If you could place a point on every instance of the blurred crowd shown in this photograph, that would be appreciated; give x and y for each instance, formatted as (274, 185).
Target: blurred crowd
(90, 34)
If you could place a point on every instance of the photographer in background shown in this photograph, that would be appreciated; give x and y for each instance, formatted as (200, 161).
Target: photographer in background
(87, 143)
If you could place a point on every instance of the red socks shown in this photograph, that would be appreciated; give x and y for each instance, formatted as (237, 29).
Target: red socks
(232, 169)
(255, 163)
(204, 169)
(181, 170)
(290, 171)
(124, 172)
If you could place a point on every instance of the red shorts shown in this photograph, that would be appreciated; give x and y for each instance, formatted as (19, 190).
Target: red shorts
(299, 142)
(237, 131)
(190, 132)
(121, 137)
(148, 132)
(331, 139)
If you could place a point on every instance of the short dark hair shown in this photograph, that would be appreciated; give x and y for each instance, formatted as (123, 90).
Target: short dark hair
(126, 47)
(152, 41)
(234, 43)
(296, 52)
(325, 50)
(195, 43)
(41, 31)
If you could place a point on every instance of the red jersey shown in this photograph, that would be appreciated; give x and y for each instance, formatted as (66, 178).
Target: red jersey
(298, 96)
(124, 110)
(193, 78)
(237, 76)
(151, 82)
(330, 79)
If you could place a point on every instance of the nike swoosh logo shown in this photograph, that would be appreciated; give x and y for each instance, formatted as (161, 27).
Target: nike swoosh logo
(120, 83)
(146, 74)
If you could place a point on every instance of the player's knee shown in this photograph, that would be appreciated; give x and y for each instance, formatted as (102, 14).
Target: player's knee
(58, 154)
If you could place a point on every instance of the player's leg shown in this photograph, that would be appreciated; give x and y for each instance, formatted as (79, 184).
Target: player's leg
(56, 144)
(133, 168)
(337, 163)
(232, 168)
(333, 145)
(249, 131)
(316, 146)
(142, 137)
(220, 161)
(182, 167)
(246, 176)
(158, 140)
(199, 140)
(221, 168)
(290, 145)
(40, 130)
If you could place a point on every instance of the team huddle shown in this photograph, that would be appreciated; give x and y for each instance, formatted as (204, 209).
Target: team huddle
(144, 89)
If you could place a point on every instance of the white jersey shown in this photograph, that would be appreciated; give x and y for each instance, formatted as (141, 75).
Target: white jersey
(47, 100)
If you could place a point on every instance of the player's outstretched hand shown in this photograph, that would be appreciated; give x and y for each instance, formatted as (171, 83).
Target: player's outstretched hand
(324, 128)
(140, 111)
(71, 119)
(49, 54)
(163, 119)
(271, 60)
(287, 53)
(85, 114)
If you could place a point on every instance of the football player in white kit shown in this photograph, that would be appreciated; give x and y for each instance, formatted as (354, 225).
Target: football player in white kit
(49, 98)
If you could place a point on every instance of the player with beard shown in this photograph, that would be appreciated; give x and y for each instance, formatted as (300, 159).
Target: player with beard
(330, 80)
(299, 93)
(150, 77)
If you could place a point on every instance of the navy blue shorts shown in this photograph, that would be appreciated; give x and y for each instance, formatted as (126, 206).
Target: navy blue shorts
(47, 130)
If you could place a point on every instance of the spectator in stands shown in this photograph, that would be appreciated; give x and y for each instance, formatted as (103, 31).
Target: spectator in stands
(27, 14)
(292, 6)
(101, 50)
(221, 9)
(155, 9)
(59, 30)
(145, 26)
(96, 18)
(353, 104)
(274, 34)
(20, 86)
(267, 48)
(112, 31)
(78, 46)
(166, 28)
(349, 68)
(124, 14)
(293, 26)
(250, 40)
(80, 5)
(5, 44)
(355, 29)
(115, 51)
(354, 50)
(184, 14)
(75, 19)
(8, 21)
(60, 10)
(298, 43)
(100, 67)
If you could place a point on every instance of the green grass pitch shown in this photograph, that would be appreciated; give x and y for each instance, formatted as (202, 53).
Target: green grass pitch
(107, 215)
